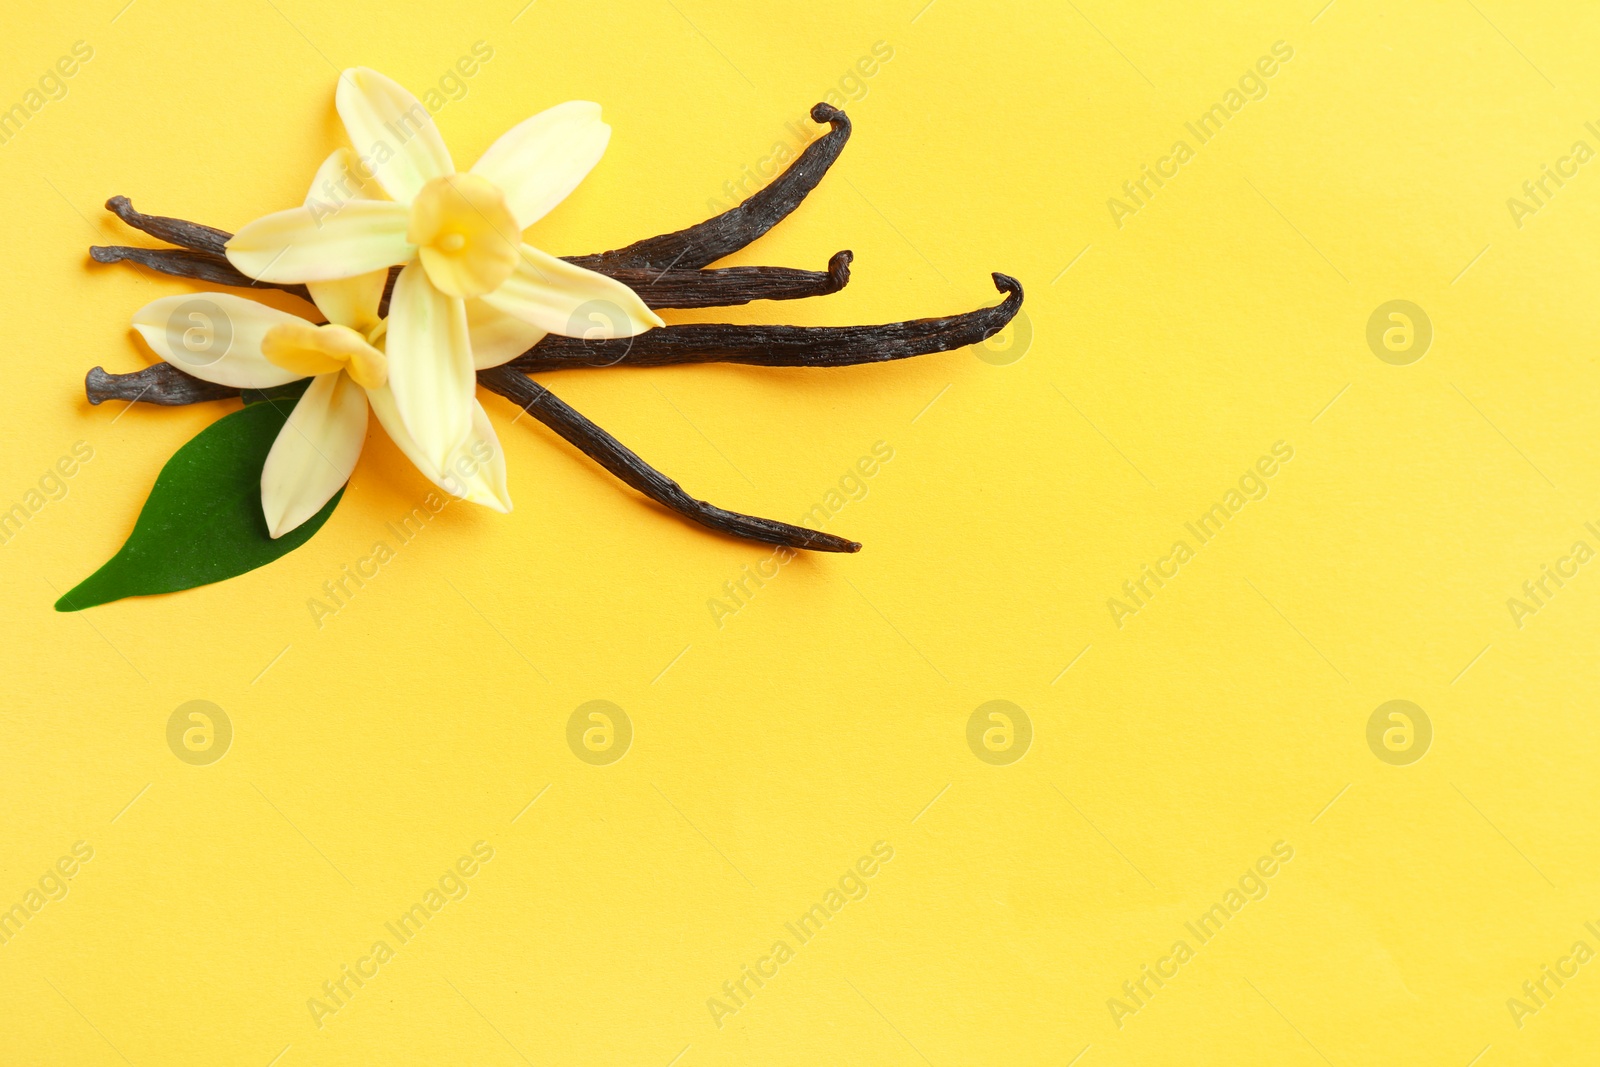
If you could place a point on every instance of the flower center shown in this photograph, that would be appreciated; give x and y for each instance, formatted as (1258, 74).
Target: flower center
(465, 234)
(311, 350)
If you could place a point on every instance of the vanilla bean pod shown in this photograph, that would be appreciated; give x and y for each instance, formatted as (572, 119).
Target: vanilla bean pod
(705, 243)
(778, 346)
(190, 235)
(622, 462)
(186, 263)
(165, 384)
(770, 346)
(731, 286)
(720, 287)
(159, 383)
(162, 383)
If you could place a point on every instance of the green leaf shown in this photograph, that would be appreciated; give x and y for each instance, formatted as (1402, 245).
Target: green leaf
(203, 521)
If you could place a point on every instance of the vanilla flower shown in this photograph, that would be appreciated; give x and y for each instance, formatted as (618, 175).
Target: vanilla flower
(237, 342)
(459, 239)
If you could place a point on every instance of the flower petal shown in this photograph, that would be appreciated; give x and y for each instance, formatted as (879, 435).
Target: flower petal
(392, 132)
(215, 337)
(307, 245)
(430, 364)
(351, 302)
(340, 178)
(298, 348)
(315, 452)
(309, 351)
(539, 161)
(477, 470)
(562, 298)
(497, 337)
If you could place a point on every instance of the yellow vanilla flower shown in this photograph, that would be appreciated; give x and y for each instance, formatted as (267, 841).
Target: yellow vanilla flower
(237, 342)
(466, 270)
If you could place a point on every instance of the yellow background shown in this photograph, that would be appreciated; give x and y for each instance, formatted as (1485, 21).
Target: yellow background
(830, 712)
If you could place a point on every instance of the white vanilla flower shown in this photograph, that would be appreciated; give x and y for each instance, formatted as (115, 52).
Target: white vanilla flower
(459, 237)
(237, 342)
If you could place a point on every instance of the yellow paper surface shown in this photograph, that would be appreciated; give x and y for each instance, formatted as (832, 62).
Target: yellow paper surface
(1191, 339)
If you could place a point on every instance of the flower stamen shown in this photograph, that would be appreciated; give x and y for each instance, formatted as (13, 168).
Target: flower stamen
(465, 234)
